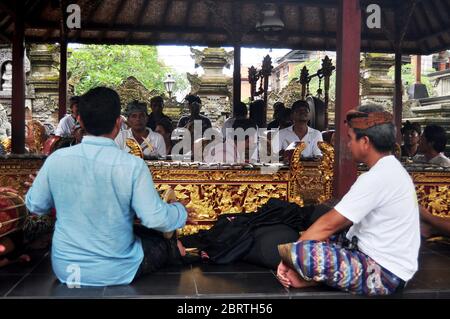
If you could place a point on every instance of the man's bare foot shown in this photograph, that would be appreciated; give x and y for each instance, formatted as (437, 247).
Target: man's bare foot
(298, 282)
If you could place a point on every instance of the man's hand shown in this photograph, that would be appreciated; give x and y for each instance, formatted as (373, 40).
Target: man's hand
(8, 189)
(31, 179)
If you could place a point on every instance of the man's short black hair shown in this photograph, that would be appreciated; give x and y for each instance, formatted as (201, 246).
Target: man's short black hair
(299, 103)
(240, 109)
(435, 135)
(166, 124)
(157, 99)
(74, 100)
(99, 109)
(192, 98)
(408, 126)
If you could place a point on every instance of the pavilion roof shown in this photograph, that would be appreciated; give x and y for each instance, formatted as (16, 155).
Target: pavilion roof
(423, 25)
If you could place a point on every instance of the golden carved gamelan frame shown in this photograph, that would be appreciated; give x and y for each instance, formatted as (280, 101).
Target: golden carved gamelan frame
(212, 192)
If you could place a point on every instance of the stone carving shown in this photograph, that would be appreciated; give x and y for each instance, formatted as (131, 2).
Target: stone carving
(377, 86)
(5, 126)
(213, 87)
(133, 89)
(7, 77)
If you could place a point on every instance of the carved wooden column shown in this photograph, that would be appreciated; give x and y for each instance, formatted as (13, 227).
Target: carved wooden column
(347, 89)
(18, 82)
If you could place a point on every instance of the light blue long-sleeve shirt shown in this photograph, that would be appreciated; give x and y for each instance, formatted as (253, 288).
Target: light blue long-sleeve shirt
(97, 189)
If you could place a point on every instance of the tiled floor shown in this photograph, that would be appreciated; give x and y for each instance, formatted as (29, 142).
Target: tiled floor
(239, 280)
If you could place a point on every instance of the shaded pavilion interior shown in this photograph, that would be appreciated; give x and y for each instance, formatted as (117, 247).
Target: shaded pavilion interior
(407, 27)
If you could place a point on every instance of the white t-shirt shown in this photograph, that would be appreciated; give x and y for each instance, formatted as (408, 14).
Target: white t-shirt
(153, 145)
(288, 136)
(65, 126)
(382, 204)
(439, 159)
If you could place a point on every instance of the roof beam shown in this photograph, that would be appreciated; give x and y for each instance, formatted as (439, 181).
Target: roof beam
(428, 20)
(90, 15)
(139, 19)
(119, 9)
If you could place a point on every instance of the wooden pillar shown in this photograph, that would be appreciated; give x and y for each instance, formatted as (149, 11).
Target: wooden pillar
(236, 76)
(347, 90)
(417, 65)
(398, 95)
(63, 80)
(18, 82)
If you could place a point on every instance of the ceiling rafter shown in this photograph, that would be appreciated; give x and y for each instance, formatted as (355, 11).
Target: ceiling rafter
(119, 9)
(89, 17)
(139, 19)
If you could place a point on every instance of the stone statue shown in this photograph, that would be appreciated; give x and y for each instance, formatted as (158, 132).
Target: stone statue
(7, 77)
(5, 126)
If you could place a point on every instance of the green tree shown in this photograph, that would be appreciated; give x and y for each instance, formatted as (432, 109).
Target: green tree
(313, 66)
(409, 79)
(93, 65)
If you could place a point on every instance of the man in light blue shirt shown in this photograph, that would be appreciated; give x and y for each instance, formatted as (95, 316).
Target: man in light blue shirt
(98, 190)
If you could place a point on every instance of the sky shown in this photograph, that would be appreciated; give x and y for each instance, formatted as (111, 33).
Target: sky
(179, 57)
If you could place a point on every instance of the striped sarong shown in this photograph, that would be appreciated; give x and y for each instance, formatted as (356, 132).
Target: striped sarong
(339, 267)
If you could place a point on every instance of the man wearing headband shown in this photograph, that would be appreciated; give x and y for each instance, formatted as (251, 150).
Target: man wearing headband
(379, 252)
(152, 143)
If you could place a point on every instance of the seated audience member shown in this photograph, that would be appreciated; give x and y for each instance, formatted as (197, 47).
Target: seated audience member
(431, 146)
(237, 147)
(411, 134)
(240, 113)
(299, 131)
(257, 113)
(67, 124)
(94, 232)
(432, 225)
(157, 107)
(278, 109)
(194, 104)
(285, 118)
(164, 127)
(379, 253)
(152, 143)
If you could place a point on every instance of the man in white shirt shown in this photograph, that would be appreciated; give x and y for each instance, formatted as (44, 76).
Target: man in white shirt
(151, 143)
(380, 251)
(299, 131)
(67, 124)
(431, 147)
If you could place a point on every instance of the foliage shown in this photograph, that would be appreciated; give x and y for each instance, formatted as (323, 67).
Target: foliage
(408, 78)
(313, 66)
(93, 65)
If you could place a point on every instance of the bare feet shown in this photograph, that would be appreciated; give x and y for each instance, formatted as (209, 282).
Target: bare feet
(181, 248)
(288, 277)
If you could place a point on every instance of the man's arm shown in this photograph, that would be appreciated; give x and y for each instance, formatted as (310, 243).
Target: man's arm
(325, 226)
(39, 199)
(441, 224)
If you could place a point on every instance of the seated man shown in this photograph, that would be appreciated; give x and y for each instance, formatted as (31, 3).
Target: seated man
(383, 242)
(299, 131)
(278, 109)
(164, 127)
(97, 191)
(431, 147)
(157, 115)
(194, 104)
(411, 134)
(152, 143)
(68, 122)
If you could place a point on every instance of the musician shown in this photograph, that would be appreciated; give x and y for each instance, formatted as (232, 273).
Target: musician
(94, 243)
(157, 115)
(194, 104)
(299, 131)
(67, 124)
(152, 143)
